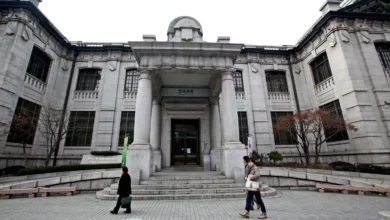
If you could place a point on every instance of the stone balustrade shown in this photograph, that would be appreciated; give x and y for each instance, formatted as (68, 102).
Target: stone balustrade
(240, 96)
(129, 95)
(86, 94)
(279, 96)
(35, 83)
(324, 86)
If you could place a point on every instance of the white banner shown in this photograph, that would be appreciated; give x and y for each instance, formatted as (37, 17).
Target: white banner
(250, 150)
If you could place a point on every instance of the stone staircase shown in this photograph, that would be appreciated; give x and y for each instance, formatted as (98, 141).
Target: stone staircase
(184, 183)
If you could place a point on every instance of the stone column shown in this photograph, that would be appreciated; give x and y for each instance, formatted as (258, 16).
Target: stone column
(215, 128)
(139, 155)
(233, 150)
(155, 132)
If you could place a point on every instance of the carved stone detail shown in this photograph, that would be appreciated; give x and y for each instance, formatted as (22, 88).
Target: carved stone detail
(10, 28)
(345, 36)
(365, 37)
(297, 69)
(253, 68)
(112, 65)
(26, 34)
(332, 40)
(64, 65)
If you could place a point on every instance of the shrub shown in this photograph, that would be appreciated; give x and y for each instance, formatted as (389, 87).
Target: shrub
(255, 155)
(275, 156)
(368, 168)
(105, 153)
(345, 168)
(11, 170)
(341, 163)
(63, 168)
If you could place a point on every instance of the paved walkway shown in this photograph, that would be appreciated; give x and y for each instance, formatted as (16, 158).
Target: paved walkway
(286, 205)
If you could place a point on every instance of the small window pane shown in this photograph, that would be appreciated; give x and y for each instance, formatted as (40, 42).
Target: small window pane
(321, 69)
(131, 82)
(282, 137)
(126, 127)
(80, 129)
(39, 64)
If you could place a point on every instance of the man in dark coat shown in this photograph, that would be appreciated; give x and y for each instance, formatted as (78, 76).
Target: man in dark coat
(124, 191)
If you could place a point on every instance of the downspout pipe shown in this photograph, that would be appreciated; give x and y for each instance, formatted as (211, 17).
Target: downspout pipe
(76, 53)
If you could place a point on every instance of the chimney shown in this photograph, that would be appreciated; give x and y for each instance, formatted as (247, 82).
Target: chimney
(35, 2)
(149, 37)
(330, 5)
(223, 39)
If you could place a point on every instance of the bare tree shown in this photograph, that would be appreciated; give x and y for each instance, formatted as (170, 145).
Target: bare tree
(53, 126)
(312, 125)
(22, 130)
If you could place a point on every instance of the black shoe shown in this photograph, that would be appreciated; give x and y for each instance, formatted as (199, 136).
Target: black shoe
(112, 212)
(127, 212)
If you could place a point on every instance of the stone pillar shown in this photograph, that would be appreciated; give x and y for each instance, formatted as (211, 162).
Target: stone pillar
(215, 128)
(155, 131)
(139, 154)
(233, 150)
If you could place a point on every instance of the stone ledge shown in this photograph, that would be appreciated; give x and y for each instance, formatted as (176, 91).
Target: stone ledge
(384, 215)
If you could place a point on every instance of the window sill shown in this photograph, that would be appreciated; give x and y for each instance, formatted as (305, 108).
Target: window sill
(337, 143)
(11, 144)
(286, 146)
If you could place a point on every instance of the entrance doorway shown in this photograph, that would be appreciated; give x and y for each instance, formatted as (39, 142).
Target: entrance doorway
(185, 142)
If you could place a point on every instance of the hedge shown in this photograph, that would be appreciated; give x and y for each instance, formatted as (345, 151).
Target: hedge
(10, 170)
(105, 153)
(365, 168)
(63, 168)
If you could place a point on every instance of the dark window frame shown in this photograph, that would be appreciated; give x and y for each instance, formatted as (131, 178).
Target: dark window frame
(88, 79)
(335, 108)
(80, 133)
(39, 64)
(131, 80)
(238, 81)
(127, 119)
(383, 50)
(276, 81)
(320, 68)
(282, 137)
(243, 127)
(31, 108)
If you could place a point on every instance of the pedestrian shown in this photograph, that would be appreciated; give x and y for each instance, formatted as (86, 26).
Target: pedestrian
(254, 175)
(124, 191)
(246, 159)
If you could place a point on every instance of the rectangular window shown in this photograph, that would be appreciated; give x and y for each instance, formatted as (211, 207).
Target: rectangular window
(24, 129)
(243, 127)
(320, 68)
(334, 108)
(238, 82)
(88, 80)
(126, 127)
(282, 137)
(131, 82)
(276, 81)
(80, 129)
(39, 64)
(383, 50)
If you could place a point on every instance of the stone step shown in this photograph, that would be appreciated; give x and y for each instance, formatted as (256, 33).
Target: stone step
(165, 178)
(175, 182)
(182, 186)
(179, 191)
(103, 196)
(187, 173)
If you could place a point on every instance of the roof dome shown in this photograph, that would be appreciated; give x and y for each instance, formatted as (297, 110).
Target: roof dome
(185, 29)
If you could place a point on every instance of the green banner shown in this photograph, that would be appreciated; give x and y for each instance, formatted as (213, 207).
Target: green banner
(124, 153)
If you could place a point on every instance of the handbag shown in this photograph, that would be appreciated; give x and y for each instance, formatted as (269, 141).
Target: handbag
(252, 185)
(125, 202)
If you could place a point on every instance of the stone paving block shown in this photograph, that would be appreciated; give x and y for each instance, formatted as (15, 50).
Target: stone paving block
(91, 176)
(82, 185)
(298, 175)
(287, 182)
(336, 180)
(73, 178)
(49, 182)
(306, 183)
(316, 177)
(279, 172)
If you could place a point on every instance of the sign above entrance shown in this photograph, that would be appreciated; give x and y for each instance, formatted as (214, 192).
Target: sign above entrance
(185, 92)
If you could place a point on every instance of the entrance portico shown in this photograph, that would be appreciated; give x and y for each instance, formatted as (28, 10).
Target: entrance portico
(181, 80)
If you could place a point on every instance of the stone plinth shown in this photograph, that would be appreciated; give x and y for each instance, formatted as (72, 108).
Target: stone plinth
(232, 154)
(140, 156)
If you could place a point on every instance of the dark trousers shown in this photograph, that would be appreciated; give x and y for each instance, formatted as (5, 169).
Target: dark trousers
(119, 203)
(258, 200)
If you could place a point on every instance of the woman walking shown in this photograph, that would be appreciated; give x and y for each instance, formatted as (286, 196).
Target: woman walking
(254, 176)
(124, 191)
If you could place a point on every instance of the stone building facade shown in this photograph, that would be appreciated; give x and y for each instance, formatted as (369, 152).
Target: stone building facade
(186, 101)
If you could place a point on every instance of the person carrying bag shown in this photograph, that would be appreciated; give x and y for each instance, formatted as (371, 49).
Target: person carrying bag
(124, 191)
(253, 186)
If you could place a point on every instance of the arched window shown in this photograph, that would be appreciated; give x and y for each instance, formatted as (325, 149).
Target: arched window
(39, 64)
(88, 80)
